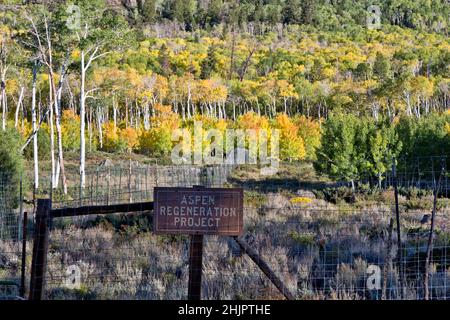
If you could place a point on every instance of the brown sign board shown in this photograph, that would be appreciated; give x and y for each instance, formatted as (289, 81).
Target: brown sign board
(198, 211)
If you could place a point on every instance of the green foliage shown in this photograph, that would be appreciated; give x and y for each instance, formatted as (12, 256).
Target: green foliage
(11, 165)
(336, 195)
(163, 59)
(208, 65)
(427, 135)
(335, 157)
(70, 131)
(381, 67)
(322, 14)
(302, 239)
(148, 11)
(43, 139)
(156, 142)
(353, 148)
(414, 193)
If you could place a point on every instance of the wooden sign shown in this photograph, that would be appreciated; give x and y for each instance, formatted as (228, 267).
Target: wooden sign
(198, 211)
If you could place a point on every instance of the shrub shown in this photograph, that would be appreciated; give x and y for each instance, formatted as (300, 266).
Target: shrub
(426, 136)
(155, 142)
(71, 131)
(301, 200)
(336, 195)
(130, 138)
(119, 140)
(309, 131)
(302, 239)
(11, 165)
(43, 138)
(352, 148)
(414, 193)
(110, 141)
(292, 146)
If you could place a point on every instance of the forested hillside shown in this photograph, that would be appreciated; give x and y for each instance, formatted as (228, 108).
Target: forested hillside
(120, 76)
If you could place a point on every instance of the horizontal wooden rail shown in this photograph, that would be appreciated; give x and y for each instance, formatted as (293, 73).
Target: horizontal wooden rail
(88, 210)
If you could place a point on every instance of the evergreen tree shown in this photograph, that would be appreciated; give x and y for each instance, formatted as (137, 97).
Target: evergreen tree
(164, 62)
(382, 67)
(308, 11)
(292, 12)
(149, 11)
(208, 66)
(335, 157)
(214, 9)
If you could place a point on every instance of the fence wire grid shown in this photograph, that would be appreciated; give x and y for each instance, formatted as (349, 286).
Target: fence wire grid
(319, 250)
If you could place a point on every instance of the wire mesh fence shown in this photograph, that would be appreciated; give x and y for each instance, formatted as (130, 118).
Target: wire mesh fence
(319, 250)
(10, 236)
(319, 253)
(107, 185)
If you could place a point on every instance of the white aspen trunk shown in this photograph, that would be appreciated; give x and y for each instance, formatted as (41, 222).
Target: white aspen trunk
(82, 124)
(138, 115)
(52, 141)
(132, 122)
(89, 125)
(147, 116)
(126, 113)
(234, 111)
(4, 104)
(58, 111)
(34, 124)
(408, 104)
(188, 112)
(153, 106)
(60, 168)
(114, 114)
(100, 130)
(183, 112)
(189, 97)
(19, 105)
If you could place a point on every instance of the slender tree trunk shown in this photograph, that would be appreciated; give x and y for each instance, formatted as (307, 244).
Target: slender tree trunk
(34, 124)
(52, 140)
(89, 127)
(4, 102)
(19, 105)
(100, 130)
(114, 114)
(126, 113)
(388, 263)
(82, 124)
(58, 114)
(233, 45)
(430, 238)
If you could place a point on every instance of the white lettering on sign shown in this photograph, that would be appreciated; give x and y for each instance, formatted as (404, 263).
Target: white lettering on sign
(204, 211)
(203, 200)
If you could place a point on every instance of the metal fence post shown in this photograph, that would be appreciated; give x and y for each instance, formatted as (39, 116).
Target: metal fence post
(40, 248)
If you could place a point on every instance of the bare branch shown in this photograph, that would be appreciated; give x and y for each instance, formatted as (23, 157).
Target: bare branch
(32, 134)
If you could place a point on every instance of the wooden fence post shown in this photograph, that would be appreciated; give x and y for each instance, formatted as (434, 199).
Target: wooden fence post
(430, 237)
(40, 248)
(264, 268)
(195, 267)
